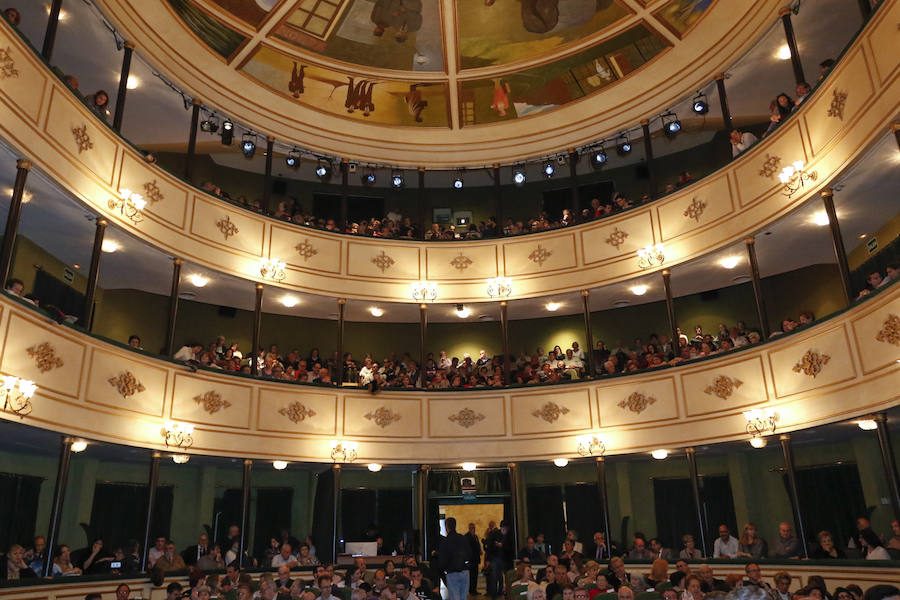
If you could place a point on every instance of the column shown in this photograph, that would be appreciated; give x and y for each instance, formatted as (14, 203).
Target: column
(504, 332)
(192, 141)
(513, 470)
(588, 334)
(173, 306)
(421, 203)
(12, 220)
(93, 274)
(267, 179)
(59, 496)
(423, 329)
(497, 200)
(50, 38)
(422, 508)
(698, 506)
(761, 314)
(257, 323)
(648, 156)
(888, 461)
(837, 241)
(785, 14)
(151, 502)
(245, 511)
(604, 499)
(785, 439)
(670, 311)
(123, 86)
(723, 102)
(345, 182)
(573, 181)
(336, 516)
(339, 359)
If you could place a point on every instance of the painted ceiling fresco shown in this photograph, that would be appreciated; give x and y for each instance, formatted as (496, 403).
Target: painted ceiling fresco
(359, 58)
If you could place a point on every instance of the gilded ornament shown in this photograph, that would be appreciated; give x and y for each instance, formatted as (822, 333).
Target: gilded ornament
(811, 364)
(723, 386)
(695, 209)
(637, 402)
(616, 238)
(382, 416)
(7, 64)
(890, 331)
(550, 412)
(126, 384)
(838, 102)
(306, 250)
(152, 192)
(461, 262)
(383, 261)
(227, 228)
(770, 166)
(44, 357)
(539, 255)
(466, 417)
(212, 402)
(296, 412)
(82, 139)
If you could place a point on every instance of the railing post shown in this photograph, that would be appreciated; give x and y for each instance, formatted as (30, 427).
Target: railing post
(422, 505)
(588, 334)
(837, 241)
(785, 14)
(151, 501)
(94, 273)
(670, 312)
(648, 155)
(723, 102)
(497, 200)
(56, 506)
(173, 306)
(339, 367)
(245, 511)
(761, 313)
(691, 454)
(192, 141)
(888, 461)
(267, 179)
(504, 331)
(52, 26)
(604, 499)
(257, 325)
(123, 86)
(12, 220)
(785, 439)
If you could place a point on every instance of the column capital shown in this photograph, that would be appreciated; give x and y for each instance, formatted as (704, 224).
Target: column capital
(690, 450)
(827, 193)
(750, 240)
(270, 138)
(336, 467)
(666, 273)
(585, 293)
(197, 102)
(880, 417)
(128, 44)
(156, 454)
(785, 437)
(511, 465)
(895, 126)
(503, 303)
(259, 286)
(785, 11)
(424, 467)
(178, 261)
(645, 122)
(719, 76)
(600, 460)
(23, 163)
(423, 306)
(422, 169)
(342, 301)
(101, 222)
(248, 462)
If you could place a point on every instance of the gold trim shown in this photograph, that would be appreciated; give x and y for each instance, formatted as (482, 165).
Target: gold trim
(7, 65)
(811, 363)
(637, 402)
(616, 238)
(466, 417)
(227, 228)
(297, 412)
(44, 356)
(212, 401)
(550, 412)
(153, 193)
(890, 331)
(540, 255)
(695, 209)
(383, 261)
(82, 138)
(305, 249)
(383, 416)
(126, 384)
(723, 387)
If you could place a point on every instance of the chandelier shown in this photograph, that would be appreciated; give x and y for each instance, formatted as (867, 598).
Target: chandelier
(760, 422)
(589, 445)
(16, 394)
(499, 286)
(129, 205)
(272, 268)
(179, 435)
(794, 177)
(343, 451)
(424, 290)
(651, 256)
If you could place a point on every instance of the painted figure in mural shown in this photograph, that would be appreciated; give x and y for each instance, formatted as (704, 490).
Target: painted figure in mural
(415, 103)
(296, 84)
(540, 16)
(501, 97)
(359, 96)
(404, 16)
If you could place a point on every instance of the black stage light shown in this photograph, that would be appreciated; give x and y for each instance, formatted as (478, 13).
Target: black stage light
(210, 125)
(248, 145)
(548, 169)
(397, 179)
(293, 159)
(457, 182)
(368, 177)
(323, 170)
(623, 146)
(519, 177)
(227, 132)
(598, 158)
(671, 125)
(699, 105)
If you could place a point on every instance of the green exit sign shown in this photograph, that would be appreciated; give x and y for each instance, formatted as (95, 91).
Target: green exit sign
(872, 245)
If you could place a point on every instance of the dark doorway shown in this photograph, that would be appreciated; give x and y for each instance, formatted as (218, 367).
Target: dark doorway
(273, 513)
(676, 514)
(555, 201)
(18, 508)
(816, 483)
(119, 513)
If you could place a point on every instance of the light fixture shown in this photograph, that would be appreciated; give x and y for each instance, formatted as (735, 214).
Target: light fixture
(867, 424)
(110, 246)
(343, 451)
(227, 132)
(560, 462)
(397, 179)
(651, 256)
(198, 280)
(548, 170)
(179, 435)
(699, 104)
(323, 170)
(248, 145)
(424, 290)
(210, 124)
(660, 454)
(794, 177)
(374, 467)
(500, 287)
(589, 445)
(17, 394)
(132, 82)
(375, 311)
(639, 290)
(758, 442)
(129, 204)
(462, 312)
(180, 459)
(730, 262)
(279, 465)
(290, 301)
(598, 158)
(457, 182)
(79, 445)
(671, 125)
(469, 466)
(368, 177)
(272, 268)
(293, 159)
(784, 52)
(821, 219)
(519, 177)
(553, 306)
(623, 145)
(760, 422)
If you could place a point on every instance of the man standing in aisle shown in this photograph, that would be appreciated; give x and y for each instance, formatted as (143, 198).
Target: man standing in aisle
(454, 558)
(475, 558)
(498, 555)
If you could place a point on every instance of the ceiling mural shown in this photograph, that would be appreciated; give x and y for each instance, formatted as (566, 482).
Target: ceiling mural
(250, 11)
(220, 38)
(680, 15)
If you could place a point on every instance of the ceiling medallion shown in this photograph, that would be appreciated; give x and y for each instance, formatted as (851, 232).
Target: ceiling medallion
(890, 331)
(723, 386)
(306, 250)
(461, 262)
(82, 139)
(811, 364)
(212, 402)
(539, 255)
(296, 412)
(227, 228)
(153, 193)
(44, 356)
(126, 384)
(616, 238)
(838, 101)
(770, 166)
(695, 209)
(637, 402)
(466, 418)
(7, 64)
(550, 412)
(383, 261)
(382, 416)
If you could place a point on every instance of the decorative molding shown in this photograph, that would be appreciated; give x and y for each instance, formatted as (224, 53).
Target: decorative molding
(153, 193)
(723, 386)
(771, 166)
(811, 364)
(383, 416)
(126, 384)
(7, 64)
(44, 356)
(383, 261)
(296, 412)
(539, 255)
(890, 331)
(550, 412)
(838, 102)
(212, 402)
(466, 417)
(82, 139)
(637, 402)
(695, 209)
(227, 228)
(306, 250)
(461, 262)
(616, 238)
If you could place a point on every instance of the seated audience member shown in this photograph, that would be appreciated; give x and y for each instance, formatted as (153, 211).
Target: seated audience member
(659, 573)
(751, 545)
(826, 548)
(693, 588)
(212, 560)
(740, 141)
(802, 90)
(782, 581)
(874, 280)
(824, 67)
(690, 551)
(725, 546)
(170, 561)
(14, 287)
(12, 15)
(306, 558)
(192, 553)
(753, 576)
(62, 563)
(709, 583)
(530, 553)
(96, 560)
(894, 542)
(524, 575)
(13, 565)
(616, 575)
(99, 103)
(872, 546)
(285, 557)
(780, 109)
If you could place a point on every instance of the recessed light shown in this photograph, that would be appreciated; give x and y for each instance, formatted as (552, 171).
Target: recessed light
(758, 442)
(279, 465)
(132, 82)
(730, 262)
(110, 246)
(867, 424)
(863, 236)
(659, 454)
(639, 290)
(375, 311)
(76, 266)
(820, 219)
(784, 52)
(560, 462)
(180, 459)
(462, 311)
(553, 306)
(469, 466)
(198, 280)
(374, 467)
(79, 446)
(290, 301)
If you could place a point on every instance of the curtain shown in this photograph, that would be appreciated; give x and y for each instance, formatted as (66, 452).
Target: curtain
(53, 291)
(583, 508)
(119, 513)
(545, 514)
(676, 514)
(323, 515)
(18, 508)
(394, 515)
(831, 499)
(358, 515)
(228, 509)
(273, 513)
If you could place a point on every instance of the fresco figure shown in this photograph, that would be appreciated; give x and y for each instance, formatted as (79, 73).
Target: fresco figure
(296, 84)
(501, 97)
(404, 16)
(540, 16)
(359, 96)
(415, 103)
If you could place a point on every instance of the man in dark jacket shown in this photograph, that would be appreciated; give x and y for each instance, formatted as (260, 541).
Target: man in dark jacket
(475, 555)
(498, 553)
(454, 558)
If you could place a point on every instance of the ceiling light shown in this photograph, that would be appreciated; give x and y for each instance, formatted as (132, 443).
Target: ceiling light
(374, 467)
(248, 145)
(660, 454)
(110, 246)
(553, 306)
(227, 132)
(560, 462)
(519, 177)
(863, 236)
(397, 179)
(548, 170)
(623, 145)
(368, 178)
(132, 82)
(293, 159)
(639, 290)
(820, 219)
(79, 445)
(63, 15)
(469, 466)
(375, 311)
(671, 125)
(198, 280)
(180, 459)
(699, 105)
(598, 158)
(279, 465)
(457, 182)
(290, 301)
(210, 125)
(758, 442)
(462, 312)
(323, 170)
(867, 424)
(730, 262)
(784, 52)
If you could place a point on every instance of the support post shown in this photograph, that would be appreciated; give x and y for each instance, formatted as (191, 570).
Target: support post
(56, 506)
(421, 203)
(50, 34)
(670, 312)
(123, 86)
(604, 500)
(245, 511)
(336, 516)
(339, 359)
(588, 334)
(267, 179)
(698, 506)
(192, 141)
(755, 280)
(837, 241)
(785, 439)
(257, 324)
(423, 330)
(514, 503)
(498, 200)
(422, 504)
(573, 181)
(504, 331)
(723, 102)
(152, 484)
(93, 274)
(648, 156)
(785, 14)
(888, 462)
(12, 220)
(345, 183)
(173, 306)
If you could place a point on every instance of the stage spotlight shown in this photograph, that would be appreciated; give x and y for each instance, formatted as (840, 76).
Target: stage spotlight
(457, 182)
(368, 177)
(624, 145)
(699, 105)
(598, 158)
(323, 170)
(397, 179)
(293, 159)
(519, 177)
(548, 170)
(210, 125)
(227, 132)
(671, 125)
(248, 145)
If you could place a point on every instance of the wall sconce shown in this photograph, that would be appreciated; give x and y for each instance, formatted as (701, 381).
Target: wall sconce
(272, 268)
(129, 205)
(179, 435)
(760, 422)
(651, 256)
(499, 286)
(180, 459)
(343, 451)
(16, 394)
(589, 445)
(423, 291)
(794, 177)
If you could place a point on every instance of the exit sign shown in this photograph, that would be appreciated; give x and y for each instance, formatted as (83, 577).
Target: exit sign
(872, 245)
